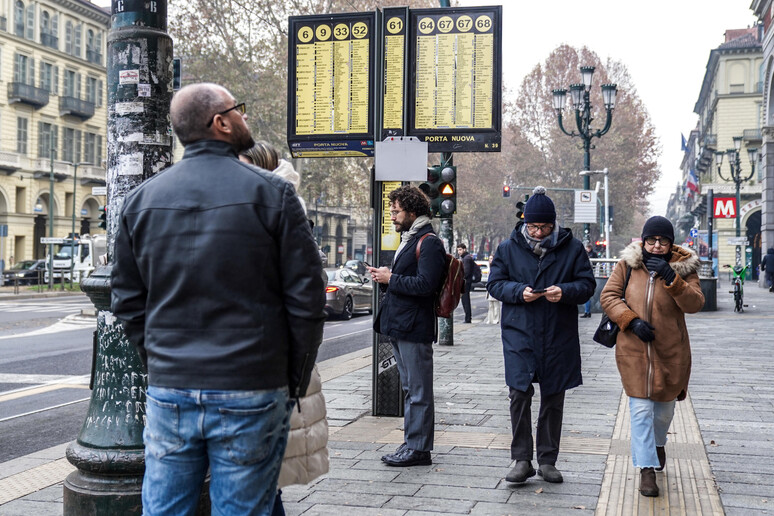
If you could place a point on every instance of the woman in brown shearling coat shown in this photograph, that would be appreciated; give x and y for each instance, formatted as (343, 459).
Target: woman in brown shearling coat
(653, 351)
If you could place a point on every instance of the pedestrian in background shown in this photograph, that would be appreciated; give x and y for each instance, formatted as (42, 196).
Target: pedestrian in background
(587, 306)
(493, 314)
(653, 351)
(407, 316)
(468, 264)
(767, 265)
(227, 331)
(541, 274)
(306, 455)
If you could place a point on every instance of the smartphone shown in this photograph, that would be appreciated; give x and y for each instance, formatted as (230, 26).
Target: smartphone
(538, 291)
(366, 264)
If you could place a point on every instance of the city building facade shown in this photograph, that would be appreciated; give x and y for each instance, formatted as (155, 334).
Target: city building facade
(764, 10)
(730, 105)
(53, 116)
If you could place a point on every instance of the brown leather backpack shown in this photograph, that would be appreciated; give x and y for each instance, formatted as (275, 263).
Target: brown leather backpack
(448, 295)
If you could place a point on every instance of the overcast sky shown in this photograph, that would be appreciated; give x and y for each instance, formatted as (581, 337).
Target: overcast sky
(665, 44)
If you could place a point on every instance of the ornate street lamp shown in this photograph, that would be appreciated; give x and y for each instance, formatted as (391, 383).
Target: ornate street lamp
(735, 165)
(581, 103)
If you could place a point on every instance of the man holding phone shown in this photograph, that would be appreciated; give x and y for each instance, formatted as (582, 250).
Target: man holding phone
(541, 274)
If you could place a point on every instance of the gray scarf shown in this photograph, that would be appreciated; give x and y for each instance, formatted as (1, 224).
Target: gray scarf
(540, 246)
(418, 224)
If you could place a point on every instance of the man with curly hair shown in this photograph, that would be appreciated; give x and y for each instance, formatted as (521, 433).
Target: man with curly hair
(407, 316)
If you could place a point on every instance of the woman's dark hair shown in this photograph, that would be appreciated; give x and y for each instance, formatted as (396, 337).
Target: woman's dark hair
(263, 154)
(412, 199)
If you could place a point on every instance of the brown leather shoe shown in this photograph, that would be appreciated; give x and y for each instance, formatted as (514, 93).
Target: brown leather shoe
(661, 452)
(648, 486)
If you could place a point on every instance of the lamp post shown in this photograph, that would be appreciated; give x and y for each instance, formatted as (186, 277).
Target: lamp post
(586, 174)
(735, 166)
(72, 232)
(736, 172)
(581, 101)
(51, 210)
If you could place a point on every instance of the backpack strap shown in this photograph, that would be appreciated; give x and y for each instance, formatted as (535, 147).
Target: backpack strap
(419, 244)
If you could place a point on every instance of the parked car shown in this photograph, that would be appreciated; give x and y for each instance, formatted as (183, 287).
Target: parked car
(484, 264)
(347, 293)
(27, 272)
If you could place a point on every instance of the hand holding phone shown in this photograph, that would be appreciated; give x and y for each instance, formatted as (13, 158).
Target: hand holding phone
(538, 291)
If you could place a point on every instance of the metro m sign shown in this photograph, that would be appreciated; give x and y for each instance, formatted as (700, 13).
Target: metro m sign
(725, 208)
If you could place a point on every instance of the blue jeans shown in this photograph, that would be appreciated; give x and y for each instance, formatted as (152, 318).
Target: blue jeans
(587, 307)
(650, 422)
(240, 435)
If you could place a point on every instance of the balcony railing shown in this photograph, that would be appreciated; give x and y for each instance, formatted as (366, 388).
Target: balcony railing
(42, 167)
(93, 56)
(76, 107)
(49, 40)
(92, 174)
(20, 92)
(752, 135)
(10, 162)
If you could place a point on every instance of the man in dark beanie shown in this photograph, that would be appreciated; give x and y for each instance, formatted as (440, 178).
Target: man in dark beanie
(541, 274)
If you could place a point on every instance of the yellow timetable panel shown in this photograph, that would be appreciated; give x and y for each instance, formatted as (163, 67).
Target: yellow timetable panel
(332, 77)
(455, 68)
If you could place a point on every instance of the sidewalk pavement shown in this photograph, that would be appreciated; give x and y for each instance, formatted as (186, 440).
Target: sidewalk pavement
(31, 292)
(720, 457)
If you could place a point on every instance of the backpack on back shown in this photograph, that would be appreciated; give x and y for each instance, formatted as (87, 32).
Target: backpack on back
(476, 273)
(449, 293)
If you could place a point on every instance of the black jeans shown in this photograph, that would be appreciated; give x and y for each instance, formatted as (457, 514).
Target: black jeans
(549, 425)
(466, 299)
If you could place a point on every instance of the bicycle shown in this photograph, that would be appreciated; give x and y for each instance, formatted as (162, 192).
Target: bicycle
(738, 282)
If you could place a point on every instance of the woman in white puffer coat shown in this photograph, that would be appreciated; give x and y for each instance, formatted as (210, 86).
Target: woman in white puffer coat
(306, 455)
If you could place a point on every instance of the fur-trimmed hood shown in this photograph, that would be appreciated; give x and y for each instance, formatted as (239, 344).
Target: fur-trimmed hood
(684, 261)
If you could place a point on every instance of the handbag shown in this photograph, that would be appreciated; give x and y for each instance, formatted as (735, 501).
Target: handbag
(607, 331)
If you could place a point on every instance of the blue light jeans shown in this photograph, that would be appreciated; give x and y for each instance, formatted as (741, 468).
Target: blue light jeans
(240, 435)
(650, 422)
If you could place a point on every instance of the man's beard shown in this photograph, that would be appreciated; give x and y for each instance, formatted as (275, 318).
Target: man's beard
(400, 228)
(243, 140)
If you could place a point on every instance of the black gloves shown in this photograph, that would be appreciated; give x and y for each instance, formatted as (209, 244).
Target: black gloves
(643, 330)
(662, 268)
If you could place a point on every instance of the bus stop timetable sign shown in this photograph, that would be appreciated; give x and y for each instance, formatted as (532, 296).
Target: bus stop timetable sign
(331, 85)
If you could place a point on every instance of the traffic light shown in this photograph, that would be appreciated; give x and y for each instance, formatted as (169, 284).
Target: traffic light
(441, 189)
(520, 207)
(506, 191)
(447, 205)
(430, 188)
(103, 217)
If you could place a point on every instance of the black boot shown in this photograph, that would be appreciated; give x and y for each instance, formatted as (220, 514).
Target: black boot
(661, 453)
(648, 486)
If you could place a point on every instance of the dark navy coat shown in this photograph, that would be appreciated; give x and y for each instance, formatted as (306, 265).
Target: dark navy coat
(407, 311)
(540, 339)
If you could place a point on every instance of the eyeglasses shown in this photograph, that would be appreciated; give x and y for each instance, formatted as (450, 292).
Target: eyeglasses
(661, 240)
(239, 107)
(543, 228)
(394, 213)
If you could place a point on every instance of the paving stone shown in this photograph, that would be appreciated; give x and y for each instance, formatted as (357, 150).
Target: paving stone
(464, 493)
(437, 505)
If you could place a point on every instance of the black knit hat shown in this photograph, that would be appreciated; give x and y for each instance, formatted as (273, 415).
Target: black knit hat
(658, 226)
(540, 207)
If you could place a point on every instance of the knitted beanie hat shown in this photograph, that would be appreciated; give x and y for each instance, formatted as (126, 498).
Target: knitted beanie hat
(540, 207)
(658, 226)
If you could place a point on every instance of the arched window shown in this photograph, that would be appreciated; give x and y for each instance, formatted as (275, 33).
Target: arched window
(19, 18)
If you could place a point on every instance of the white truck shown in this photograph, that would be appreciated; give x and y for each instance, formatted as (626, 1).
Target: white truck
(87, 250)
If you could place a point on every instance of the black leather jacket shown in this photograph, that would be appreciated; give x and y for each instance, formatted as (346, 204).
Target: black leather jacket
(216, 276)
